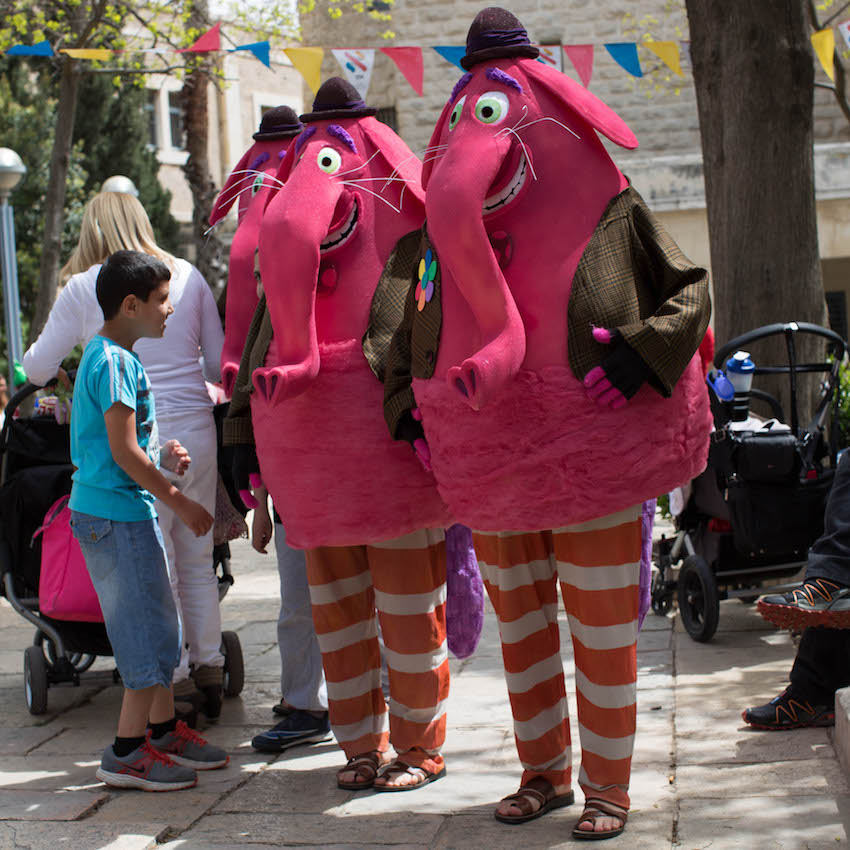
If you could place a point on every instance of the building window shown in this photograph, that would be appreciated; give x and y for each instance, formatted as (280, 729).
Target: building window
(175, 120)
(387, 115)
(836, 305)
(150, 112)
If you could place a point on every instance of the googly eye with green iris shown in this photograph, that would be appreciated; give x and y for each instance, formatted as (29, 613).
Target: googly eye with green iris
(329, 160)
(257, 184)
(456, 112)
(491, 107)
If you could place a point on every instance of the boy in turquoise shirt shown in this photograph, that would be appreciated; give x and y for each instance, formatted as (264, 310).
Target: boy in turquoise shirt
(115, 447)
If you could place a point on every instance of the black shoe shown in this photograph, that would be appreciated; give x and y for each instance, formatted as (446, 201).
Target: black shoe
(788, 712)
(282, 709)
(817, 602)
(299, 727)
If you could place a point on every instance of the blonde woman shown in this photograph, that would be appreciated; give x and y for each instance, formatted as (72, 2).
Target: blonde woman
(177, 365)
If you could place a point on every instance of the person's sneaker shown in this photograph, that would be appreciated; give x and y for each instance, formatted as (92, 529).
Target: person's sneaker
(817, 602)
(187, 747)
(298, 727)
(788, 712)
(145, 768)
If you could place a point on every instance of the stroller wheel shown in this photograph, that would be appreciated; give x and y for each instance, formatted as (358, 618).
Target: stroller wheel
(35, 679)
(699, 603)
(234, 666)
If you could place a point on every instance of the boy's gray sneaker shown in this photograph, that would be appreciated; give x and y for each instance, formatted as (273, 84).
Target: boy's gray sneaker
(185, 746)
(144, 768)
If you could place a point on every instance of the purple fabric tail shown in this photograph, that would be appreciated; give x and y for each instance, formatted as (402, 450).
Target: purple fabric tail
(464, 593)
(646, 524)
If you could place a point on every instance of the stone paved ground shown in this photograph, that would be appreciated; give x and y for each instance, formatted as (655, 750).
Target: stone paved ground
(700, 779)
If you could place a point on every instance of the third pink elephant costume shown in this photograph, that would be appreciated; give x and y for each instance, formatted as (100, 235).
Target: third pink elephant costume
(548, 344)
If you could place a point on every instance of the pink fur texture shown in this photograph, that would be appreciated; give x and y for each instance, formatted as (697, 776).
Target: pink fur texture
(541, 456)
(334, 474)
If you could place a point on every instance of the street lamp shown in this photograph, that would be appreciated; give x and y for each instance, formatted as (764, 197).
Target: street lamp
(11, 172)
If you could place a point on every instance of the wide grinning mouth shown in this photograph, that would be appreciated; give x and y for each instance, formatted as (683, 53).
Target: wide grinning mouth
(339, 235)
(510, 190)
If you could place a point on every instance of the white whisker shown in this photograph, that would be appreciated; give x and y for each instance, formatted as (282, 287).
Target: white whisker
(413, 154)
(554, 121)
(375, 194)
(525, 151)
(235, 194)
(362, 165)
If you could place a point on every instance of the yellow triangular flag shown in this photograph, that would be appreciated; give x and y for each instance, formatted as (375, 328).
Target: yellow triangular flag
(88, 53)
(667, 52)
(824, 45)
(308, 63)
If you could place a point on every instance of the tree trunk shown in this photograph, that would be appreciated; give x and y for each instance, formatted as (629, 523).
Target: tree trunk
(54, 202)
(754, 75)
(209, 249)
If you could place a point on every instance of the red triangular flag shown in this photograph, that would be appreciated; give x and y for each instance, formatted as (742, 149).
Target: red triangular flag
(210, 40)
(581, 55)
(409, 61)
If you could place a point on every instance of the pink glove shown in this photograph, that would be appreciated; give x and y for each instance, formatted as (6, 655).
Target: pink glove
(423, 453)
(621, 374)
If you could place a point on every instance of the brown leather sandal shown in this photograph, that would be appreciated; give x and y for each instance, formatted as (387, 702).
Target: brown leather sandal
(540, 789)
(398, 767)
(365, 767)
(596, 808)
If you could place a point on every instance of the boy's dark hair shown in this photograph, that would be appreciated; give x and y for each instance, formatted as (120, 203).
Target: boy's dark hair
(128, 273)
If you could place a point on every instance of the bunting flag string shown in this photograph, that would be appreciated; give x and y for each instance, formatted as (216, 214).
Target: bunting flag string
(357, 64)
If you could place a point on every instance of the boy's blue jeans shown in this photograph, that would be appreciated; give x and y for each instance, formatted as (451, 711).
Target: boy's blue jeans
(128, 568)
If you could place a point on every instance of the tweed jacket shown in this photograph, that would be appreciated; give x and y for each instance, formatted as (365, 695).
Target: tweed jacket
(632, 277)
(237, 428)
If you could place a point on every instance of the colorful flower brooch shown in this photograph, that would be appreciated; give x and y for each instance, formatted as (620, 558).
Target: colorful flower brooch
(427, 273)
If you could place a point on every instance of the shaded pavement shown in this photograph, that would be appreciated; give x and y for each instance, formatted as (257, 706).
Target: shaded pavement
(700, 777)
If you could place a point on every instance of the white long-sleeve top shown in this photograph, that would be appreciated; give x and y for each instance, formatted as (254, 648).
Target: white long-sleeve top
(173, 363)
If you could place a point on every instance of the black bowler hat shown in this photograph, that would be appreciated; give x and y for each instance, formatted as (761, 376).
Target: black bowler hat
(337, 98)
(494, 34)
(280, 122)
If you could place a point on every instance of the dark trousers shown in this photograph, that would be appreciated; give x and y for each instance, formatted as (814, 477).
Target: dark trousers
(829, 556)
(822, 665)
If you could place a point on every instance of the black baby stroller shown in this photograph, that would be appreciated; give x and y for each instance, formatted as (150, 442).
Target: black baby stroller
(35, 471)
(759, 505)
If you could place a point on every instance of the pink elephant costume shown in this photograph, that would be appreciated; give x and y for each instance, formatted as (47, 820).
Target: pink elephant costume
(249, 183)
(358, 502)
(548, 343)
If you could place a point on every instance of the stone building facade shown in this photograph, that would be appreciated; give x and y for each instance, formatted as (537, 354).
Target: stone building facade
(661, 109)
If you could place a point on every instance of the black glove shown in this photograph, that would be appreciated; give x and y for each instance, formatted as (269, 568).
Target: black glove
(246, 473)
(624, 367)
(409, 429)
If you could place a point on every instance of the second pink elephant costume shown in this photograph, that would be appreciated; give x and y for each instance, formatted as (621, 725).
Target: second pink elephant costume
(548, 343)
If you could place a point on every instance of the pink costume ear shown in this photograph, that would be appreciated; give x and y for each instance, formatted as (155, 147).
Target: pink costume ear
(587, 106)
(230, 191)
(397, 158)
(286, 166)
(430, 157)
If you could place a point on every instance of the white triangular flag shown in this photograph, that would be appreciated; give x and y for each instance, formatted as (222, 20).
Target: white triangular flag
(357, 66)
(552, 55)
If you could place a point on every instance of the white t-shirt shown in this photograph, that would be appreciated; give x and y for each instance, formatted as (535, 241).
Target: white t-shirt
(189, 351)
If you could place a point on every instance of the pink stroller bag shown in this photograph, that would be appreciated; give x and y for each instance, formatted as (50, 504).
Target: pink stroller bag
(65, 589)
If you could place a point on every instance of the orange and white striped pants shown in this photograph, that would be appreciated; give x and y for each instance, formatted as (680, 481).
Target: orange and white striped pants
(405, 579)
(597, 564)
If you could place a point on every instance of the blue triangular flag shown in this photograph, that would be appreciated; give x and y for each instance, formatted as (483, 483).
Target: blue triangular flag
(453, 55)
(260, 49)
(42, 48)
(626, 56)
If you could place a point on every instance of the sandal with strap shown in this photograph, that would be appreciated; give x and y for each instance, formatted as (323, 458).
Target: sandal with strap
(595, 808)
(541, 790)
(398, 767)
(365, 767)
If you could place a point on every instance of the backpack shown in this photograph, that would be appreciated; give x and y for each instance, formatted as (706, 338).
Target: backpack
(65, 588)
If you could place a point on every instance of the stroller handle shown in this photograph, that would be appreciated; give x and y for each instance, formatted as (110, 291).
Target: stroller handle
(785, 328)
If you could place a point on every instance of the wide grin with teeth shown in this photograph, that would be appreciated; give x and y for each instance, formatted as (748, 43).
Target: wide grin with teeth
(341, 234)
(506, 195)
